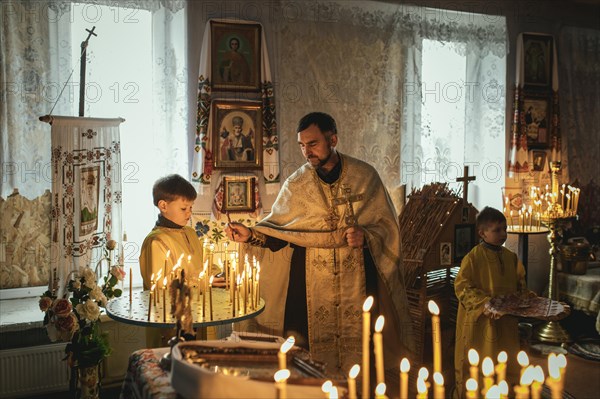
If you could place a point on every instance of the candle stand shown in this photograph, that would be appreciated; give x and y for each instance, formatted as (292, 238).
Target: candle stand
(554, 218)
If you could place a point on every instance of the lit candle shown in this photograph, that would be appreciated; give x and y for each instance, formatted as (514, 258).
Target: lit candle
(522, 390)
(280, 378)
(487, 368)
(201, 284)
(503, 389)
(283, 350)
(474, 362)
(436, 336)
(333, 393)
(164, 289)
(538, 381)
(421, 389)
(150, 301)
(562, 366)
(352, 381)
(472, 386)
(438, 386)
(501, 367)
(366, 336)
(553, 380)
(523, 360)
(326, 387)
(210, 307)
(404, 369)
(378, 348)
(380, 391)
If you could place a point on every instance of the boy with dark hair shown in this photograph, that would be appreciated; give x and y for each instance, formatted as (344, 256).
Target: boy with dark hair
(487, 271)
(173, 196)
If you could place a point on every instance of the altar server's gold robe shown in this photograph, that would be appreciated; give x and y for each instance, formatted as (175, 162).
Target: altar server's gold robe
(484, 274)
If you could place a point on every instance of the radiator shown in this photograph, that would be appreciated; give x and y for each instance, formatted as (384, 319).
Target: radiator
(33, 370)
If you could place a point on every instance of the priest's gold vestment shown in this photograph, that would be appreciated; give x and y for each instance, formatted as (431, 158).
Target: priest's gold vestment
(306, 214)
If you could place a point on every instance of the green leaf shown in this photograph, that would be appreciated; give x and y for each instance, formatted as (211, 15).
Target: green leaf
(117, 292)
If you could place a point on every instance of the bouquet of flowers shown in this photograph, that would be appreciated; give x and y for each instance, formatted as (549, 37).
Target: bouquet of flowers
(77, 320)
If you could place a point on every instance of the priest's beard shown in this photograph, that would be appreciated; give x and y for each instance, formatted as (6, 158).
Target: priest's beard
(321, 162)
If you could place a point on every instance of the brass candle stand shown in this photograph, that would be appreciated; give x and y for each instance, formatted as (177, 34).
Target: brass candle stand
(554, 218)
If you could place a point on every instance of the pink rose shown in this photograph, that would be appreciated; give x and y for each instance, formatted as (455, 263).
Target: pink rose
(118, 272)
(45, 303)
(62, 307)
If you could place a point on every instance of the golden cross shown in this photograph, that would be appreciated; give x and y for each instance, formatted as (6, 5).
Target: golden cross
(465, 181)
(347, 198)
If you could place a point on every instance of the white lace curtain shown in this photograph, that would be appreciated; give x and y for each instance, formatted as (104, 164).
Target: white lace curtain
(579, 70)
(361, 62)
(35, 55)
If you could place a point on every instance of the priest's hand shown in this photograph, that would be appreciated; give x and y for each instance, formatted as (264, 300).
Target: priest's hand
(237, 232)
(355, 236)
(489, 311)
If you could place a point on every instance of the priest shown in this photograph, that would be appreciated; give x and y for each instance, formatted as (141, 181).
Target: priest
(336, 215)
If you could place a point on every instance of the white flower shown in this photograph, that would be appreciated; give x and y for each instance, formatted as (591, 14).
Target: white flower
(118, 272)
(76, 284)
(89, 276)
(96, 293)
(89, 310)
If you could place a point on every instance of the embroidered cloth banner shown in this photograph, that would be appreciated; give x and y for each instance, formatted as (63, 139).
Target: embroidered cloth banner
(86, 192)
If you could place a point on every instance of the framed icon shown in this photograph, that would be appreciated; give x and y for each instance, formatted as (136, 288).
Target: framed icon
(235, 56)
(238, 194)
(464, 240)
(237, 134)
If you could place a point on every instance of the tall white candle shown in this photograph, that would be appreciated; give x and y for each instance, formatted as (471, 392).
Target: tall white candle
(366, 338)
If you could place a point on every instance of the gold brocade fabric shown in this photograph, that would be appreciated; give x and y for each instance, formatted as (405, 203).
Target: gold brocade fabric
(182, 241)
(305, 214)
(484, 274)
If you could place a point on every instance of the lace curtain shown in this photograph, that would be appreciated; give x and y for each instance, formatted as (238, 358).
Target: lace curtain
(579, 71)
(361, 62)
(35, 62)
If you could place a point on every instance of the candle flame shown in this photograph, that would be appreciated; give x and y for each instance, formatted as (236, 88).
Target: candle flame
(438, 378)
(168, 253)
(165, 281)
(379, 324)
(380, 389)
(562, 360)
(493, 392)
(433, 308)
(287, 345)
(367, 304)
(189, 258)
(153, 287)
(326, 387)
(210, 280)
(421, 387)
(502, 357)
(333, 393)
(487, 367)
(538, 374)
(503, 387)
(282, 375)
(423, 373)
(553, 369)
(152, 277)
(471, 385)
(205, 265)
(523, 359)
(405, 365)
(473, 357)
(527, 377)
(354, 371)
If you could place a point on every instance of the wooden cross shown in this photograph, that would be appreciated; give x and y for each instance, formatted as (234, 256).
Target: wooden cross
(84, 45)
(347, 198)
(465, 181)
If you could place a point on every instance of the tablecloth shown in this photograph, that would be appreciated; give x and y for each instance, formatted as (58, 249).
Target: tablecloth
(582, 292)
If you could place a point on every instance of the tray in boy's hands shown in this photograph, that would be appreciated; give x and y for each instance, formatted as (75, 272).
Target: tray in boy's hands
(529, 306)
